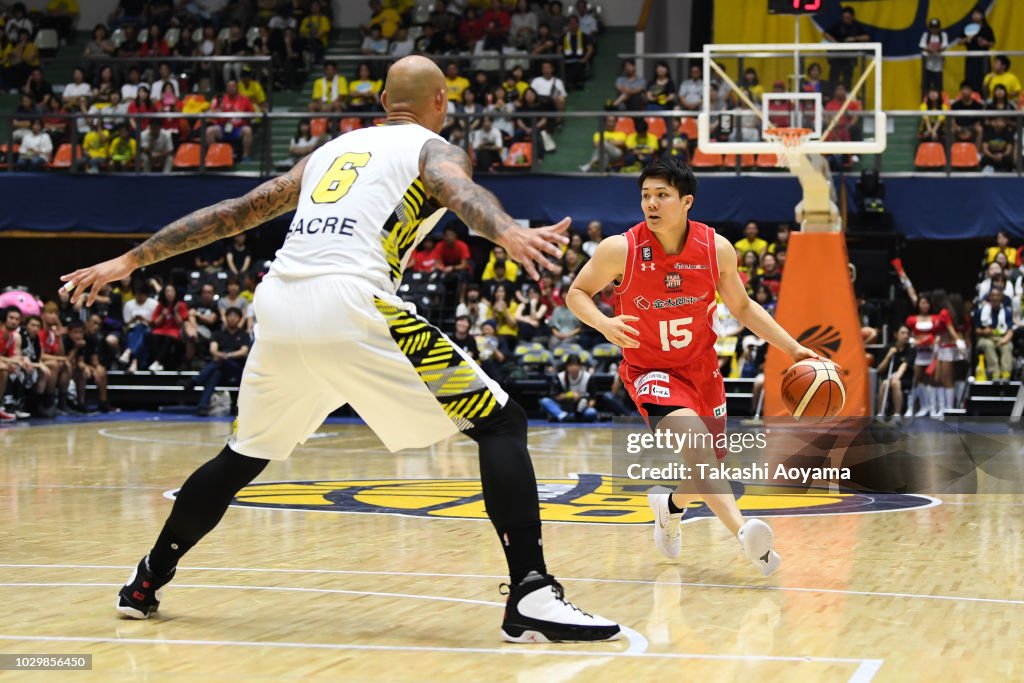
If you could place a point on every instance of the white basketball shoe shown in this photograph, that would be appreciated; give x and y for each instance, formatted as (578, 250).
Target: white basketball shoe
(667, 537)
(537, 612)
(757, 541)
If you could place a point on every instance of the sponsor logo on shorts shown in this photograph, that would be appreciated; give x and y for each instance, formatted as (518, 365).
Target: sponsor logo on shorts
(659, 391)
(720, 411)
(589, 498)
(673, 281)
(651, 377)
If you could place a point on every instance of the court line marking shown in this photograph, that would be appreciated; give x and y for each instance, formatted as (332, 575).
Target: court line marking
(535, 451)
(866, 668)
(646, 582)
(286, 589)
(78, 486)
(983, 502)
(637, 642)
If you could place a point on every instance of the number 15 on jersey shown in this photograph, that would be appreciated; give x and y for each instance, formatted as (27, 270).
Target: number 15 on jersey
(674, 333)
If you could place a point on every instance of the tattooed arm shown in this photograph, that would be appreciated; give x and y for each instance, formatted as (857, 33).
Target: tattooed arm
(447, 176)
(224, 219)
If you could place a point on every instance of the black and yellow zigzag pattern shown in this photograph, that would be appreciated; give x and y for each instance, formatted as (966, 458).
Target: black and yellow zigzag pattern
(399, 232)
(457, 385)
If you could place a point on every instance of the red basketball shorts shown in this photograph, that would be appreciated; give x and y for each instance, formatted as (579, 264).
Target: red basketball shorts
(698, 386)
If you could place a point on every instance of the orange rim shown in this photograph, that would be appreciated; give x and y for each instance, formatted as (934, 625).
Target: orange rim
(788, 136)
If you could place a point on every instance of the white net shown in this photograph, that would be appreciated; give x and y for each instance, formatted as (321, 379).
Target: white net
(791, 140)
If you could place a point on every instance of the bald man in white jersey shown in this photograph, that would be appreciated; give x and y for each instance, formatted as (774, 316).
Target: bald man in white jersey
(362, 203)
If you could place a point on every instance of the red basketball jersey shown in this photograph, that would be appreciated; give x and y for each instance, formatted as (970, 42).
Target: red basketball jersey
(672, 295)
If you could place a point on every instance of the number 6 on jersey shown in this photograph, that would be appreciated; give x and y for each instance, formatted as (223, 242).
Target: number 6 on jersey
(674, 334)
(338, 179)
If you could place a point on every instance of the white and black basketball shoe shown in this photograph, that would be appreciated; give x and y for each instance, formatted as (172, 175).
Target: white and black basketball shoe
(667, 538)
(757, 542)
(537, 612)
(140, 597)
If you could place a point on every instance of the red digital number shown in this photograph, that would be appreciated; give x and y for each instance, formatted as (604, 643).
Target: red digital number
(809, 5)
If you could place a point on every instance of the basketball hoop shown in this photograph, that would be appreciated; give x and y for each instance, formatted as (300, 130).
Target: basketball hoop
(791, 139)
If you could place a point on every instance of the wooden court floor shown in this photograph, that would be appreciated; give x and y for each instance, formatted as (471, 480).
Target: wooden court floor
(310, 581)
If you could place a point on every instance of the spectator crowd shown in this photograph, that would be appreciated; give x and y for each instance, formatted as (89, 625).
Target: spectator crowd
(149, 58)
(199, 319)
(990, 86)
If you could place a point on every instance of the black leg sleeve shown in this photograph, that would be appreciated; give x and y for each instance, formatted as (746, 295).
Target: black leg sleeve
(510, 488)
(200, 505)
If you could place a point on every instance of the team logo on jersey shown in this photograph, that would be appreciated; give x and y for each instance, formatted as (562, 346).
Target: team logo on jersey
(673, 281)
(641, 303)
(646, 266)
(646, 254)
(822, 338)
(587, 498)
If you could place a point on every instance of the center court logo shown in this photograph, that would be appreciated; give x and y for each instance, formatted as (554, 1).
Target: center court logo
(588, 498)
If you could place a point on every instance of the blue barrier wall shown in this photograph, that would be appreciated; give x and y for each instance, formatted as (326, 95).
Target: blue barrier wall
(922, 207)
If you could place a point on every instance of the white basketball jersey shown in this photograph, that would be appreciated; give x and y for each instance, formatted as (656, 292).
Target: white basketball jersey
(362, 209)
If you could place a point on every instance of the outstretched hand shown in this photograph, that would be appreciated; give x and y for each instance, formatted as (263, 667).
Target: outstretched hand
(91, 279)
(534, 248)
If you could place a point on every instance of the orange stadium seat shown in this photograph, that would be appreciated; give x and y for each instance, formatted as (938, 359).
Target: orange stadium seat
(220, 155)
(746, 160)
(964, 155)
(520, 155)
(317, 127)
(187, 156)
(350, 124)
(688, 127)
(62, 159)
(767, 160)
(930, 155)
(625, 125)
(705, 160)
(656, 126)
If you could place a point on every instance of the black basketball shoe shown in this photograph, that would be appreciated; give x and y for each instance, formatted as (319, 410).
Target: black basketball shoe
(140, 597)
(537, 612)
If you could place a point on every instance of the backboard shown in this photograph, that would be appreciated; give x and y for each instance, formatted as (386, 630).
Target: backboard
(784, 93)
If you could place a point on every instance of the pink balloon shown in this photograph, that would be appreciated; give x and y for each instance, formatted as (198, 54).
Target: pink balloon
(28, 304)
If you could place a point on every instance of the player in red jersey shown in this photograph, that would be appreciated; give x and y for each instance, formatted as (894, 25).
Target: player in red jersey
(668, 269)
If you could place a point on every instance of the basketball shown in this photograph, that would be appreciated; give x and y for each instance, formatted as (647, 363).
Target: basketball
(812, 389)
